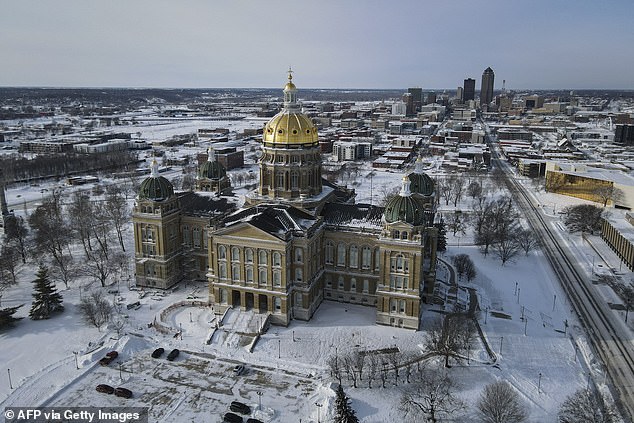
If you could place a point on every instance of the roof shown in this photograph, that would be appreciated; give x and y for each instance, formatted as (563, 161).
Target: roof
(358, 215)
(275, 219)
(156, 188)
(196, 204)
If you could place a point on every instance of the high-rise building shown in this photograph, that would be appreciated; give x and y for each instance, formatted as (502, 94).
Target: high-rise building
(431, 98)
(417, 98)
(460, 93)
(486, 90)
(408, 99)
(469, 89)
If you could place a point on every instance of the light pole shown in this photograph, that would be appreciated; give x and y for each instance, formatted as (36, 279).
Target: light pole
(9, 373)
(539, 384)
(76, 362)
(318, 411)
(120, 374)
(259, 400)
(279, 348)
(501, 340)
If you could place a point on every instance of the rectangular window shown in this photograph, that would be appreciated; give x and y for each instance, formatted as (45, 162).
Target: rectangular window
(366, 286)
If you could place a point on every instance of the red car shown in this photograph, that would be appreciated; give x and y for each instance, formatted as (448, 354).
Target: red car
(108, 358)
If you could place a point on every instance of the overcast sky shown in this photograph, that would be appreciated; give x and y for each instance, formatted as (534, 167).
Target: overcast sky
(329, 43)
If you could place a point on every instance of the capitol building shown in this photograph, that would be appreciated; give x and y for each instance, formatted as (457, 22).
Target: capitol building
(297, 241)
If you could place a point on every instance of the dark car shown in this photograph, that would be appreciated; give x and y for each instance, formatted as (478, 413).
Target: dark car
(232, 418)
(239, 407)
(108, 358)
(252, 420)
(106, 389)
(158, 352)
(173, 354)
(123, 392)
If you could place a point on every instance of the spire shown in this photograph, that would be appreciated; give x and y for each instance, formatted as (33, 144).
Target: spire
(405, 192)
(211, 156)
(419, 166)
(154, 167)
(290, 92)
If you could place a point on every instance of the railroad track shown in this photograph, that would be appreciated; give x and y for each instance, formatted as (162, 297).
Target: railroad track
(609, 337)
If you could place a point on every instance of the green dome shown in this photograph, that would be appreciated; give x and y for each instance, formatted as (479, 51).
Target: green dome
(156, 188)
(409, 209)
(212, 170)
(421, 183)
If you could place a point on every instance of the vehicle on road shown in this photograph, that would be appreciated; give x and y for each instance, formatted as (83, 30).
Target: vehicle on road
(232, 418)
(158, 352)
(108, 358)
(173, 354)
(238, 407)
(123, 392)
(106, 389)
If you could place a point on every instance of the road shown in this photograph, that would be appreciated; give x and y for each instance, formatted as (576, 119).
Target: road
(610, 338)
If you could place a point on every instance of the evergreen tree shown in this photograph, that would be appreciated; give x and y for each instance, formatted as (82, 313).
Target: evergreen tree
(442, 235)
(46, 298)
(345, 413)
(6, 316)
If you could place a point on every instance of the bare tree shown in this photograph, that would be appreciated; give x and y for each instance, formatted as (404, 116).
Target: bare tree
(507, 247)
(583, 218)
(347, 361)
(464, 265)
(373, 368)
(474, 189)
(95, 309)
(336, 368)
(80, 211)
(9, 259)
(585, 407)
(102, 266)
(17, 233)
(116, 208)
(446, 189)
(386, 194)
(456, 223)
(607, 193)
(458, 189)
(527, 240)
(451, 337)
(433, 399)
(499, 403)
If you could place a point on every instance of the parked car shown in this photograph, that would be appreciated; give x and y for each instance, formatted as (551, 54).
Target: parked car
(106, 389)
(232, 418)
(173, 354)
(252, 420)
(123, 392)
(239, 407)
(158, 352)
(239, 369)
(108, 358)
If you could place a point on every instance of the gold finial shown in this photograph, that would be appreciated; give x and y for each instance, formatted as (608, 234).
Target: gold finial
(290, 74)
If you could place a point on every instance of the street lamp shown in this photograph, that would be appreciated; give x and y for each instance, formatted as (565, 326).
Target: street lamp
(318, 411)
(259, 399)
(279, 348)
(539, 384)
(9, 373)
(76, 362)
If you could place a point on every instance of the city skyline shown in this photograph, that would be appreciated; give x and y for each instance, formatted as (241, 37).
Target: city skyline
(329, 44)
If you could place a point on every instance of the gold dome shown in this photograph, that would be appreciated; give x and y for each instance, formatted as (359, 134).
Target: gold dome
(290, 126)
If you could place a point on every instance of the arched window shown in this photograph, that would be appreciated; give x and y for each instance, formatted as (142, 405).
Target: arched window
(330, 253)
(353, 285)
(299, 255)
(354, 256)
(262, 258)
(248, 255)
(197, 238)
(366, 258)
(277, 304)
(223, 296)
(377, 259)
(299, 274)
(249, 272)
(262, 280)
(222, 252)
(340, 284)
(222, 270)
(393, 305)
(397, 234)
(279, 180)
(277, 259)
(341, 254)
(277, 278)
(404, 235)
(235, 254)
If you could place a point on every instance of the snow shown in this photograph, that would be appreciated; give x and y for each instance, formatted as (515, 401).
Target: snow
(540, 357)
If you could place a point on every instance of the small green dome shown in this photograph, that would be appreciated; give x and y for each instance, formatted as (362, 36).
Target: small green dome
(212, 170)
(405, 207)
(421, 183)
(156, 189)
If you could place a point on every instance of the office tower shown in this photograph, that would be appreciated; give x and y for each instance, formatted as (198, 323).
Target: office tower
(624, 134)
(486, 90)
(431, 98)
(417, 98)
(460, 93)
(408, 99)
(469, 89)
